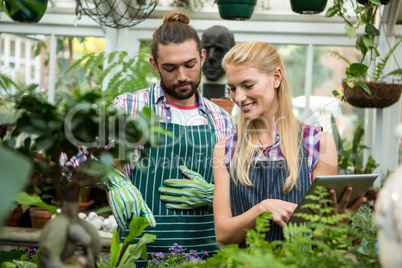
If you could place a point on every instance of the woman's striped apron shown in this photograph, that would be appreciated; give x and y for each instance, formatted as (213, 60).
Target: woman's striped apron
(192, 147)
(268, 178)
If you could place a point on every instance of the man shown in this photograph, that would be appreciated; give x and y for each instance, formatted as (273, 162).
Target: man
(196, 123)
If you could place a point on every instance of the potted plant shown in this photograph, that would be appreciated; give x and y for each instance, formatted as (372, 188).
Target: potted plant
(25, 10)
(375, 93)
(356, 72)
(308, 6)
(64, 127)
(236, 9)
(356, 91)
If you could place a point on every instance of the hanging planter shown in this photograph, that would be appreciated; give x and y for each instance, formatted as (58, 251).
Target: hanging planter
(308, 6)
(236, 9)
(382, 94)
(383, 2)
(25, 10)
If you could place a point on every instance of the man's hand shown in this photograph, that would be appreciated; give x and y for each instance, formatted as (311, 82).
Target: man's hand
(190, 193)
(126, 201)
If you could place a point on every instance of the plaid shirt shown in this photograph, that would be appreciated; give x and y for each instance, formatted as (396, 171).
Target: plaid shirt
(311, 137)
(132, 102)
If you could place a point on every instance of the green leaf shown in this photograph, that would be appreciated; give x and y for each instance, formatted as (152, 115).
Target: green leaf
(368, 42)
(25, 264)
(335, 93)
(6, 256)
(103, 210)
(371, 30)
(332, 11)
(350, 31)
(24, 199)
(44, 143)
(357, 69)
(137, 225)
(359, 45)
(364, 86)
(115, 248)
(376, 2)
(14, 170)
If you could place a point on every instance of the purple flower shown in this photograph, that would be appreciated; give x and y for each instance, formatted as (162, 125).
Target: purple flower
(155, 261)
(195, 259)
(31, 253)
(204, 252)
(160, 255)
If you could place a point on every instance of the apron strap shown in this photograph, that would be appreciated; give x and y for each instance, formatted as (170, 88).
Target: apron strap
(152, 104)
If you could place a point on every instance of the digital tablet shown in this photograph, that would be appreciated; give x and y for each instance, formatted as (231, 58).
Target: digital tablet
(359, 182)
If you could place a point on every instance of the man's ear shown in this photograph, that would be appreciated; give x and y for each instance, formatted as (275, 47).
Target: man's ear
(203, 56)
(277, 77)
(154, 64)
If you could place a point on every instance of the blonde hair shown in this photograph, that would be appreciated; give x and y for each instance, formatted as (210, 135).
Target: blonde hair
(265, 58)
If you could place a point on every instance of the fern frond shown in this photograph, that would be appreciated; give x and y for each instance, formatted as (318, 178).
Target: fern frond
(339, 56)
(397, 73)
(379, 69)
(78, 62)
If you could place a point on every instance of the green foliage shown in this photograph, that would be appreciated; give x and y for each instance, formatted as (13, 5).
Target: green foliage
(34, 200)
(350, 157)
(14, 169)
(121, 254)
(82, 120)
(28, 258)
(321, 242)
(121, 72)
(379, 74)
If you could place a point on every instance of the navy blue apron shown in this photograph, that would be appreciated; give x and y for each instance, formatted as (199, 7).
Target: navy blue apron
(268, 178)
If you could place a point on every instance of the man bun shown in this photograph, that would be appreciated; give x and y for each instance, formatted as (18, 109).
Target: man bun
(175, 16)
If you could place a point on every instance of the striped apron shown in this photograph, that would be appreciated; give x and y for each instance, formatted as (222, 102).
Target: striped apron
(268, 178)
(191, 147)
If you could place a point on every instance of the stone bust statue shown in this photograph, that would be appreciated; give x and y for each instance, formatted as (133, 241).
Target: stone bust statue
(216, 40)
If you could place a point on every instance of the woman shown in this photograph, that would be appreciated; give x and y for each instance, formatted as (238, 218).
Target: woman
(268, 165)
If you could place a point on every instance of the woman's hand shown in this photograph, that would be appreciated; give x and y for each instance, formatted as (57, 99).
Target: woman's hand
(341, 207)
(281, 210)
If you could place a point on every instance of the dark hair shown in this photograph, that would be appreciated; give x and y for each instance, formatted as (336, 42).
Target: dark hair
(174, 30)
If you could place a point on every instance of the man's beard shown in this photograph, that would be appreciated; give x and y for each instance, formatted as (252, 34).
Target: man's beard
(172, 91)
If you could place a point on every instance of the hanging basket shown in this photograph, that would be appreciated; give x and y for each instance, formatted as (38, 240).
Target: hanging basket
(236, 9)
(118, 13)
(382, 94)
(308, 6)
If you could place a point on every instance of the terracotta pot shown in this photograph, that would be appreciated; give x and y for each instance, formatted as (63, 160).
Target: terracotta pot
(81, 206)
(85, 205)
(226, 104)
(15, 217)
(382, 95)
(39, 217)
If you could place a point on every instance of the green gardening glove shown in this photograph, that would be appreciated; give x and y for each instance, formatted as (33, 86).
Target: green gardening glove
(126, 201)
(190, 193)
